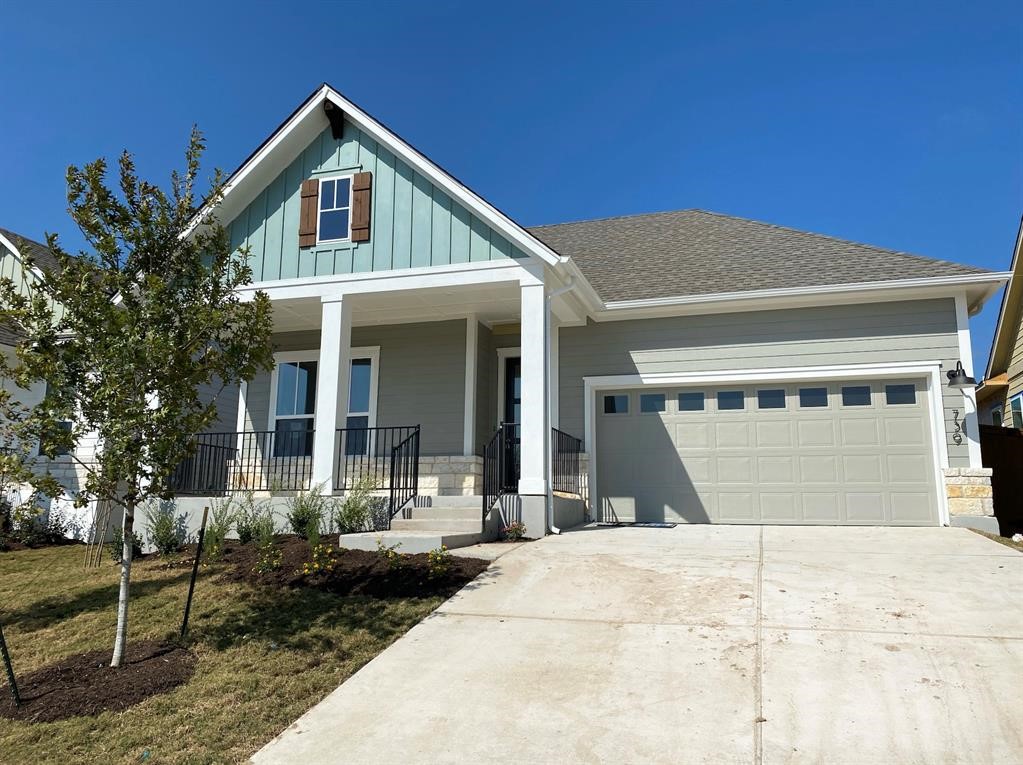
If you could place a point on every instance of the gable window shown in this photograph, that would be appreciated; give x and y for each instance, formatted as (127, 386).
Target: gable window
(1016, 410)
(334, 217)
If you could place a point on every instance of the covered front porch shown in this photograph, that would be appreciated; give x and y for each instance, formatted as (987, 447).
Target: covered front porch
(446, 393)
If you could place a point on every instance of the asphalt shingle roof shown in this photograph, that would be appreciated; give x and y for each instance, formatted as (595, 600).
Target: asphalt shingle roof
(695, 252)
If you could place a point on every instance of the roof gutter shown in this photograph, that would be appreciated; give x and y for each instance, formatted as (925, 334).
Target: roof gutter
(996, 278)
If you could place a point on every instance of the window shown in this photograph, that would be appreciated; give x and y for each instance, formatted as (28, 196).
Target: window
(1016, 410)
(63, 425)
(730, 399)
(296, 403)
(358, 406)
(856, 395)
(996, 417)
(773, 398)
(813, 397)
(691, 401)
(616, 404)
(900, 394)
(335, 208)
(652, 402)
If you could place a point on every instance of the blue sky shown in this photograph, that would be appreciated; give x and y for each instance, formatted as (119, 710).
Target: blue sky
(897, 124)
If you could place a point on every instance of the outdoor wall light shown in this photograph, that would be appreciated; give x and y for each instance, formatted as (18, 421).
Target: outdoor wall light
(958, 378)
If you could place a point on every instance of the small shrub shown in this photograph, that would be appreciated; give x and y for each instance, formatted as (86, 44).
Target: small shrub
(514, 531)
(218, 527)
(306, 510)
(394, 559)
(264, 528)
(438, 562)
(116, 544)
(322, 561)
(355, 513)
(164, 531)
(248, 514)
(270, 558)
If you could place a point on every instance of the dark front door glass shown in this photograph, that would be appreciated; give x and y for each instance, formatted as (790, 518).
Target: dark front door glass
(512, 390)
(512, 414)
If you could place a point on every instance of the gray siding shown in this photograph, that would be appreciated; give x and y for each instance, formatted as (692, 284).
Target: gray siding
(227, 406)
(851, 334)
(421, 379)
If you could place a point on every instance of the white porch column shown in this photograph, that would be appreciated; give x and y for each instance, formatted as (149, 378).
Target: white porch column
(533, 448)
(469, 424)
(332, 381)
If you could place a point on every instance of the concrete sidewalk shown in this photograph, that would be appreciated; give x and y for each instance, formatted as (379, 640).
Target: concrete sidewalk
(713, 644)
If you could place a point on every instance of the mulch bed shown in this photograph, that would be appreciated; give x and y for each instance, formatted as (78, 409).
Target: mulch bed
(354, 572)
(10, 545)
(84, 685)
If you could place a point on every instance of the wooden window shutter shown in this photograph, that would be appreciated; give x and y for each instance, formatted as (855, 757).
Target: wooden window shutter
(362, 193)
(307, 213)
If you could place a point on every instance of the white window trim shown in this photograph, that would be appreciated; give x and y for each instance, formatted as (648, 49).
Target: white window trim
(319, 190)
(371, 352)
(1017, 397)
(929, 370)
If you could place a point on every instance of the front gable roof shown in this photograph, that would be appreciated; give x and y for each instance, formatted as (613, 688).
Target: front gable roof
(308, 121)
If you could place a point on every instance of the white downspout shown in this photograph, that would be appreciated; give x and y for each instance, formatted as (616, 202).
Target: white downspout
(570, 285)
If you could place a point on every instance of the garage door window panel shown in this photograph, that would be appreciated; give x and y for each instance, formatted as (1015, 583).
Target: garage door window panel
(652, 403)
(813, 398)
(902, 394)
(731, 401)
(856, 395)
(771, 398)
(691, 401)
(616, 403)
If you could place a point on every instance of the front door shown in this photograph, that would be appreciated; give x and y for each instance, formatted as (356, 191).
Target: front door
(510, 417)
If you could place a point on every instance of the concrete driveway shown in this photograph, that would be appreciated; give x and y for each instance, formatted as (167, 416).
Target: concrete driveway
(696, 644)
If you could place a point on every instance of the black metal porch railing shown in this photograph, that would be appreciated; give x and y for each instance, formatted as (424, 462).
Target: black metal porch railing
(565, 454)
(251, 461)
(500, 465)
(404, 475)
(364, 454)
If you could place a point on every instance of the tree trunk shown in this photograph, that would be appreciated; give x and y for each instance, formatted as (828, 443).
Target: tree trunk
(127, 553)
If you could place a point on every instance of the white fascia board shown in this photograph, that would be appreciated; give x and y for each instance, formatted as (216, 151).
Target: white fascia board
(800, 296)
(460, 274)
(1002, 326)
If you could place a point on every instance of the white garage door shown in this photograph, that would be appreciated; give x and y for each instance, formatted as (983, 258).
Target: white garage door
(821, 453)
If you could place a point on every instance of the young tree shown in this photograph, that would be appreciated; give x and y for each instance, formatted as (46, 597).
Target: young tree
(126, 334)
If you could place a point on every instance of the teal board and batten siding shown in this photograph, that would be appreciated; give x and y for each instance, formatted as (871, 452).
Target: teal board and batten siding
(421, 380)
(881, 333)
(413, 223)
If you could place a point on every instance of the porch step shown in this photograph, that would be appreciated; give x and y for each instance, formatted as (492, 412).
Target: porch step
(424, 501)
(433, 523)
(412, 541)
(446, 513)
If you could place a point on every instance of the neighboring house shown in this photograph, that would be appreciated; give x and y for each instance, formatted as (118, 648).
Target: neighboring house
(1000, 396)
(15, 250)
(672, 367)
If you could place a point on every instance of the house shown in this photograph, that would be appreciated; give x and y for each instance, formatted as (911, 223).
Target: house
(16, 253)
(1000, 395)
(681, 366)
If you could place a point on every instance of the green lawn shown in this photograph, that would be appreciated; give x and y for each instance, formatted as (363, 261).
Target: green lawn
(264, 657)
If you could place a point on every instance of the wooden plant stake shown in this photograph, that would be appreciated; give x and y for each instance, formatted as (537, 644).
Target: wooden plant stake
(10, 668)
